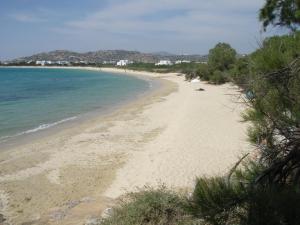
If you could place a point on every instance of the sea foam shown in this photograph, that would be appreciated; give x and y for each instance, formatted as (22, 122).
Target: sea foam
(36, 129)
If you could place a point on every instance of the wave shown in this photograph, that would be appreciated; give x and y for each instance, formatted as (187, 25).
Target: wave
(36, 129)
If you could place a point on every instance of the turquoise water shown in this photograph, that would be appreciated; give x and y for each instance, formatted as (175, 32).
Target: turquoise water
(33, 99)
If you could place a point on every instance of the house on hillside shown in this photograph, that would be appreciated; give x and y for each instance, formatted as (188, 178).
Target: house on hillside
(164, 63)
(40, 62)
(123, 62)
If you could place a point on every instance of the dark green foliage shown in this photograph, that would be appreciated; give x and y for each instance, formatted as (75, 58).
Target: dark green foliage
(218, 77)
(275, 111)
(221, 57)
(151, 207)
(276, 123)
(215, 199)
(273, 206)
(284, 13)
(220, 60)
(223, 200)
(276, 53)
(240, 74)
(141, 66)
(203, 72)
(238, 200)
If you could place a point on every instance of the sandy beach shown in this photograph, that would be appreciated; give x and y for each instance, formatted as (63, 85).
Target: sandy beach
(169, 136)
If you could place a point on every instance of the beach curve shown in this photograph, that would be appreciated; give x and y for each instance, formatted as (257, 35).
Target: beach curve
(169, 137)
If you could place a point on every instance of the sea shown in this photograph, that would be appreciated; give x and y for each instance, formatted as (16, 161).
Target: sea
(36, 99)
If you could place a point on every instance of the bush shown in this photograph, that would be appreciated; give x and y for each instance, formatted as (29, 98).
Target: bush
(190, 74)
(239, 200)
(218, 77)
(275, 108)
(240, 73)
(203, 72)
(151, 207)
(221, 57)
(217, 200)
(276, 206)
(276, 53)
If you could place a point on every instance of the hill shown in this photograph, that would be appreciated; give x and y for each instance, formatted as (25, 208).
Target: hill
(108, 55)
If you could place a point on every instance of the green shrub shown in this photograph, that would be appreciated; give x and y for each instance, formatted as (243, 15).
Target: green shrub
(239, 200)
(275, 108)
(221, 57)
(240, 73)
(276, 53)
(217, 200)
(218, 77)
(203, 72)
(275, 206)
(151, 207)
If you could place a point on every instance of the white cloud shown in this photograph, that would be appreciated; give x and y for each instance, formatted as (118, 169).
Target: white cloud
(214, 17)
(195, 26)
(27, 18)
(191, 26)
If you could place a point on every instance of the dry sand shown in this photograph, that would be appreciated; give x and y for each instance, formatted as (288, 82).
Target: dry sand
(169, 137)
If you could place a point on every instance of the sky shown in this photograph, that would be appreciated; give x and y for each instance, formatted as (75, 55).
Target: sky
(175, 26)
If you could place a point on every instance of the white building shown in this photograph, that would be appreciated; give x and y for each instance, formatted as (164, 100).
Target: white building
(63, 63)
(182, 61)
(164, 63)
(40, 62)
(123, 62)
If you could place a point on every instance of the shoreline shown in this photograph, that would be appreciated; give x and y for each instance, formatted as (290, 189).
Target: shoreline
(118, 70)
(25, 137)
(25, 165)
(169, 137)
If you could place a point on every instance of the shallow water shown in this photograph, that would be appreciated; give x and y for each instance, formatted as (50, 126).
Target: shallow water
(33, 99)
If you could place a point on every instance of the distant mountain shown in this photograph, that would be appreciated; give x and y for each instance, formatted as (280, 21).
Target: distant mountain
(162, 53)
(108, 55)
